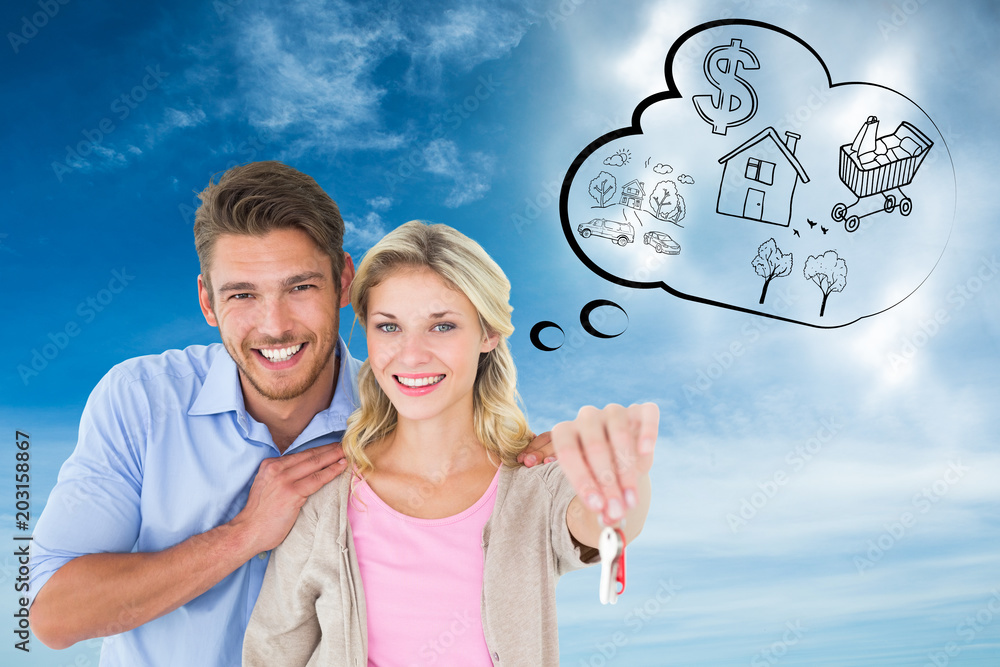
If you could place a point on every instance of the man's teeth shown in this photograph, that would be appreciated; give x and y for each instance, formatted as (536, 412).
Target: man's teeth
(420, 382)
(284, 354)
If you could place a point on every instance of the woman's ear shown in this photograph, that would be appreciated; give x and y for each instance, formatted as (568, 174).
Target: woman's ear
(490, 341)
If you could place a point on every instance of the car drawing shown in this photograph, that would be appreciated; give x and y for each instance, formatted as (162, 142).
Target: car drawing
(662, 243)
(619, 232)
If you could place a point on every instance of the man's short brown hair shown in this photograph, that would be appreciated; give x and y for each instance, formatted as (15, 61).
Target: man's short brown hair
(257, 198)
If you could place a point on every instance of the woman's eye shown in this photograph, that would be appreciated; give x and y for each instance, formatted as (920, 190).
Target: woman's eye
(444, 326)
(388, 327)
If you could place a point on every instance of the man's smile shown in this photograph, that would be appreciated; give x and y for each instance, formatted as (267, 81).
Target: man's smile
(280, 354)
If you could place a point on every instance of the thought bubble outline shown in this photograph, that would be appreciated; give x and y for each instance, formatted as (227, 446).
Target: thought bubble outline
(536, 335)
(672, 93)
(589, 326)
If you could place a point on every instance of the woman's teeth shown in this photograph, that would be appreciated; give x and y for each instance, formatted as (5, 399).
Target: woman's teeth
(419, 382)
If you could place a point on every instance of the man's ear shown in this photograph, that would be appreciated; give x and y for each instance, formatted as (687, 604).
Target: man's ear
(205, 301)
(346, 278)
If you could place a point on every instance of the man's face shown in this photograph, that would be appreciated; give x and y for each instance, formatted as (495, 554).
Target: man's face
(277, 304)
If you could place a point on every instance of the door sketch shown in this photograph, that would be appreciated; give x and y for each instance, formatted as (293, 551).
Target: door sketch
(754, 206)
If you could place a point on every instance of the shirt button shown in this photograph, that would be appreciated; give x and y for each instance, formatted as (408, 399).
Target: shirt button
(496, 657)
(262, 555)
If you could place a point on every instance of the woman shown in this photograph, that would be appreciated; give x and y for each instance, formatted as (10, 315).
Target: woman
(440, 549)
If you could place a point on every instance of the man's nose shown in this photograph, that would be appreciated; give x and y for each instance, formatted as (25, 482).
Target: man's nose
(276, 318)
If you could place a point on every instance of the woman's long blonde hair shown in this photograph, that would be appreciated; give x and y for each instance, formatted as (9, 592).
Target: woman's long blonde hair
(499, 423)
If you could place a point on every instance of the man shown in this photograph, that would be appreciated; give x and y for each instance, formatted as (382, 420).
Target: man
(192, 465)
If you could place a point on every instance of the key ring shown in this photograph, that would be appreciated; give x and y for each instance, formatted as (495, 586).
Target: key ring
(611, 547)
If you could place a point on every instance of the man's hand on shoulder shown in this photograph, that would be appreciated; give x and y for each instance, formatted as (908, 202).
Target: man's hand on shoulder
(539, 450)
(280, 489)
(86, 596)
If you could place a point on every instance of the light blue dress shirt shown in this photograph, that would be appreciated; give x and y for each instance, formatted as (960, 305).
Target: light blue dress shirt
(167, 450)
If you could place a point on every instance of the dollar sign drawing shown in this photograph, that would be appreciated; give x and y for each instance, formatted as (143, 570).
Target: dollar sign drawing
(737, 100)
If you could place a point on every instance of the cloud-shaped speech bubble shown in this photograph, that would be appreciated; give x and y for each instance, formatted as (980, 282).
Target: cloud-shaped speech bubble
(761, 186)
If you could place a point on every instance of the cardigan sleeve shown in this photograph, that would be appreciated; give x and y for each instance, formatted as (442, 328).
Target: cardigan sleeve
(284, 628)
(570, 555)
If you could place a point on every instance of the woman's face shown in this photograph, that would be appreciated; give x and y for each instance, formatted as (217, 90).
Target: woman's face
(424, 342)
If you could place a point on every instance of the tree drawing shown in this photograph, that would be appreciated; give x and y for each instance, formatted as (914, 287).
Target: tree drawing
(666, 203)
(602, 188)
(829, 272)
(771, 263)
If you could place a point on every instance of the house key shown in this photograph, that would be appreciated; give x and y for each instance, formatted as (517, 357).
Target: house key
(611, 547)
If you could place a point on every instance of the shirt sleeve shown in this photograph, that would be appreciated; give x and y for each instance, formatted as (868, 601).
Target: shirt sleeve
(570, 554)
(284, 628)
(95, 505)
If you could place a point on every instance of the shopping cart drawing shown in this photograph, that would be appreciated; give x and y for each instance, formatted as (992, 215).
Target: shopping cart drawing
(874, 165)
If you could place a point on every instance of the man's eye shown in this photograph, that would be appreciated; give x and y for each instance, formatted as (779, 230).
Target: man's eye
(302, 288)
(240, 297)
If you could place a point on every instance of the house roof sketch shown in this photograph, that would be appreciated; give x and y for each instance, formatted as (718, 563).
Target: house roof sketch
(638, 186)
(773, 135)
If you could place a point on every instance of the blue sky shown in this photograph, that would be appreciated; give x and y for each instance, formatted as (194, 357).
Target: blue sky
(863, 459)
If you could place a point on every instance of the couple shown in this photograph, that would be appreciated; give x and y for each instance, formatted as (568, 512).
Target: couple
(161, 522)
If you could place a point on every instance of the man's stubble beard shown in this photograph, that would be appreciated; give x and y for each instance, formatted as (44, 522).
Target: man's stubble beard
(283, 393)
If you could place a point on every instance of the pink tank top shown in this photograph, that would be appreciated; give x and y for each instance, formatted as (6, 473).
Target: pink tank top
(423, 582)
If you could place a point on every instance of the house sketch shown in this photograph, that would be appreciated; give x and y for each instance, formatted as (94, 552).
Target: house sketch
(632, 194)
(759, 178)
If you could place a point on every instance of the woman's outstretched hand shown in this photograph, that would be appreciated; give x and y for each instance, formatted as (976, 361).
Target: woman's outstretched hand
(606, 455)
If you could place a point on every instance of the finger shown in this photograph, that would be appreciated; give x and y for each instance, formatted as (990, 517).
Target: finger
(312, 483)
(645, 420)
(574, 465)
(333, 449)
(540, 446)
(302, 464)
(329, 449)
(623, 442)
(597, 448)
(539, 449)
(526, 457)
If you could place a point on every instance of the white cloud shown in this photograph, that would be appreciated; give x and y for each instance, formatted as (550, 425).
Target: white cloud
(109, 156)
(316, 72)
(317, 86)
(314, 75)
(471, 176)
(461, 39)
(175, 118)
(441, 157)
(359, 235)
(171, 120)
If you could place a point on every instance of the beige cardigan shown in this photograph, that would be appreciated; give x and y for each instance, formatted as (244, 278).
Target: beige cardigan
(311, 609)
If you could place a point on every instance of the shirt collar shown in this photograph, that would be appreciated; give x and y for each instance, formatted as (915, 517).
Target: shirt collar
(344, 400)
(220, 392)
